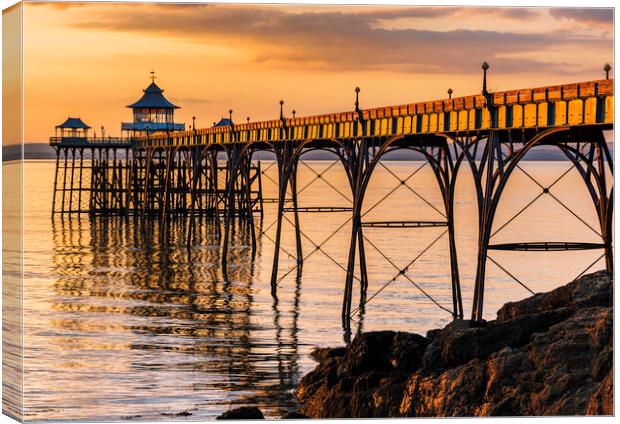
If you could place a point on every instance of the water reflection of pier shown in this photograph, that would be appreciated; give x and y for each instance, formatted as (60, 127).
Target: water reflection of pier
(175, 302)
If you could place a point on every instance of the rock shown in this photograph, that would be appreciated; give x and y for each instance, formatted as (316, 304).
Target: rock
(590, 290)
(184, 414)
(242, 413)
(550, 354)
(325, 353)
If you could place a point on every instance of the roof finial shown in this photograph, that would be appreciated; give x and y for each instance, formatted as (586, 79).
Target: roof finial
(153, 76)
(607, 68)
(450, 93)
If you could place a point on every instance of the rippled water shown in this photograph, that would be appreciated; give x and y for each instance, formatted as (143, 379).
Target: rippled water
(122, 322)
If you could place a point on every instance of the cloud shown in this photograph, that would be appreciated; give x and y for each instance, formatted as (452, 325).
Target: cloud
(595, 17)
(355, 38)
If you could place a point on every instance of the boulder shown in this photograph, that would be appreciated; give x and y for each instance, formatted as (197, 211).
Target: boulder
(550, 354)
(242, 413)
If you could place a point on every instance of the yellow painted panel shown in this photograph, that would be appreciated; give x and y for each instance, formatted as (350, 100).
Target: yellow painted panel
(590, 110)
(517, 116)
(425, 123)
(543, 111)
(407, 125)
(575, 112)
(329, 128)
(441, 122)
(501, 117)
(486, 119)
(609, 109)
(414, 124)
(560, 113)
(384, 127)
(471, 120)
(531, 115)
(454, 121)
(433, 122)
(463, 119)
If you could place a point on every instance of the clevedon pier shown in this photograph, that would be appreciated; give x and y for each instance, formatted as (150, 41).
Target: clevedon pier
(160, 170)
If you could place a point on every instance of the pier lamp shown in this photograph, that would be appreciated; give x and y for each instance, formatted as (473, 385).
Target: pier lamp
(194, 123)
(450, 93)
(607, 68)
(294, 112)
(485, 68)
(357, 99)
(230, 111)
(281, 109)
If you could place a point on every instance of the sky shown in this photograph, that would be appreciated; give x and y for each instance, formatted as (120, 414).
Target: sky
(92, 60)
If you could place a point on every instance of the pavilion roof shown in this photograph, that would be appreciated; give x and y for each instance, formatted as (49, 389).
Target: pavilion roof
(153, 98)
(73, 123)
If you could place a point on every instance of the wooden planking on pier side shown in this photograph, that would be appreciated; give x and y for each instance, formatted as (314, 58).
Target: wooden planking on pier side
(584, 103)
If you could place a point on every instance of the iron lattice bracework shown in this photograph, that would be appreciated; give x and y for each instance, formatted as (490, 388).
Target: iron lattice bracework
(91, 180)
(211, 172)
(499, 158)
(156, 182)
(361, 158)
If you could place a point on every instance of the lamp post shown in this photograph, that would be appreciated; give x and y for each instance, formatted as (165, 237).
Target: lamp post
(607, 68)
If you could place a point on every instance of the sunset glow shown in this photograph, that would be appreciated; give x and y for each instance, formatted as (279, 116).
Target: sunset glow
(92, 60)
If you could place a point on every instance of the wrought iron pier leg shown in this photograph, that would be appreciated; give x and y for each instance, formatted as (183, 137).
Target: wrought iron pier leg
(359, 155)
(606, 202)
(214, 192)
(293, 182)
(230, 206)
(484, 229)
(363, 269)
(196, 163)
(64, 182)
(55, 181)
(283, 156)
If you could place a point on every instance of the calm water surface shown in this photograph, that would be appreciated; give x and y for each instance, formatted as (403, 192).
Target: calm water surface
(122, 322)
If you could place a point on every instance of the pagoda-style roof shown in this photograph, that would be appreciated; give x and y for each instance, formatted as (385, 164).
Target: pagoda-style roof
(73, 123)
(224, 122)
(153, 98)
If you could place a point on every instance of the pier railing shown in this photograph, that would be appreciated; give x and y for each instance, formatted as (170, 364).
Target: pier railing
(575, 104)
(89, 140)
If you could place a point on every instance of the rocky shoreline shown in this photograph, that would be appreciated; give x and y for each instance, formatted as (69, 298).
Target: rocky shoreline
(550, 354)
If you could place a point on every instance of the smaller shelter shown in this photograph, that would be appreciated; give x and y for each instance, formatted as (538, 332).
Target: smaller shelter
(224, 122)
(73, 129)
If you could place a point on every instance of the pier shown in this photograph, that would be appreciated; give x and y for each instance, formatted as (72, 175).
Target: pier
(159, 169)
